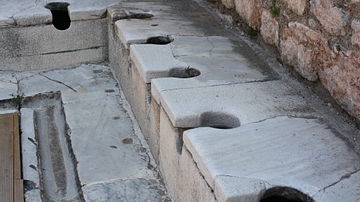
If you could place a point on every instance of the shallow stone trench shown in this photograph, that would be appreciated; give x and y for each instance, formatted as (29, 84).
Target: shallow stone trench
(59, 179)
(80, 142)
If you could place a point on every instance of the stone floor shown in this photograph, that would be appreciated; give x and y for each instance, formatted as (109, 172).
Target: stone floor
(106, 152)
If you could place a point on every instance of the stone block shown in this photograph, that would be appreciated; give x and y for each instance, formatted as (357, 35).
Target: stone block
(228, 3)
(35, 15)
(88, 10)
(28, 13)
(237, 189)
(355, 39)
(304, 49)
(250, 11)
(269, 28)
(273, 151)
(333, 19)
(298, 6)
(342, 78)
(228, 105)
(217, 60)
(45, 47)
(155, 61)
(183, 178)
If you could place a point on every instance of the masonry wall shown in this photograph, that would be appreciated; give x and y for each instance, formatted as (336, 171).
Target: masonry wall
(320, 39)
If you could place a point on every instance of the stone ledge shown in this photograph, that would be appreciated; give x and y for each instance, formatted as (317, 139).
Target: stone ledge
(298, 153)
(249, 102)
(30, 13)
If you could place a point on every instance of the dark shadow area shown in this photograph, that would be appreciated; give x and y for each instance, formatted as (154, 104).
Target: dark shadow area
(278, 199)
(159, 40)
(219, 120)
(60, 15)
(184, 73)
(285, 194)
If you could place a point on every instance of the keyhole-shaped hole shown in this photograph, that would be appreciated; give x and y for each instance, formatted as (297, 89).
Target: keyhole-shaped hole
(60, 15)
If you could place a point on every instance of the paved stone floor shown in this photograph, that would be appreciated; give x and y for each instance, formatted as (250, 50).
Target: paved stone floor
(106, 158)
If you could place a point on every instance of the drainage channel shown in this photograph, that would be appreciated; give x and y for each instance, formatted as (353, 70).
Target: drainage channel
(59, 180)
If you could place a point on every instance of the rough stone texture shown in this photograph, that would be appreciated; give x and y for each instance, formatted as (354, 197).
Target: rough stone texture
(269, 28)
(297, 6)
(304, 49)
(250, 10)
(341, 76)
(126, 190)
(228, 3)
(317, 38)
(355, 39)
(333, 19)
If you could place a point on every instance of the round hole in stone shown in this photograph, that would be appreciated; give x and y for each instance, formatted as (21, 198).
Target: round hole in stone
(219, 120)
(184, 72)
(160, 40)
(285, 194)
(60, 15)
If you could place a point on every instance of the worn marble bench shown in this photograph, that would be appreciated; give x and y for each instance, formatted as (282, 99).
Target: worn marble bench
(223, 125)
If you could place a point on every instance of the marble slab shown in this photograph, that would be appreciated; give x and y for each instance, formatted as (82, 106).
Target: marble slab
(248, 102)
(28, 12)
(303, 154)
(212, 61)
(109, 152)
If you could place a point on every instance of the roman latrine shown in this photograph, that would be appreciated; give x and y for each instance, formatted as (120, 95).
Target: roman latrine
(320, 39)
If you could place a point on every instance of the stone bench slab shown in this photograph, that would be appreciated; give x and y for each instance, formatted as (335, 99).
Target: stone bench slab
(304, 154)
(214, 58)
(26, 12)
(249, 102)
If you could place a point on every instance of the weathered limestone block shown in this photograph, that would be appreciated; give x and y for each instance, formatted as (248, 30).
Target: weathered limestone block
(228, 3)
(269, 28)
(304, 49)
(355, 39)
(250, 11)
(333, 19)
(298, 6)
(342, 78)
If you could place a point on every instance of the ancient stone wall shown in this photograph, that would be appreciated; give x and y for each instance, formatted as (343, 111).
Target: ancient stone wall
(320, 39)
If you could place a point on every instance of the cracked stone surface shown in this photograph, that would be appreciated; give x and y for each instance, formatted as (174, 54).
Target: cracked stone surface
(113, 160)
(159, 61)
(284, 152)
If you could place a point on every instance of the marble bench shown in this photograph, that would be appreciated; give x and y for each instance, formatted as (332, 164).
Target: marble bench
(220, 122)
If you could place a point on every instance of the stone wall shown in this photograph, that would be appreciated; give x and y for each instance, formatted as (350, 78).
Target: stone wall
(320, 39)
